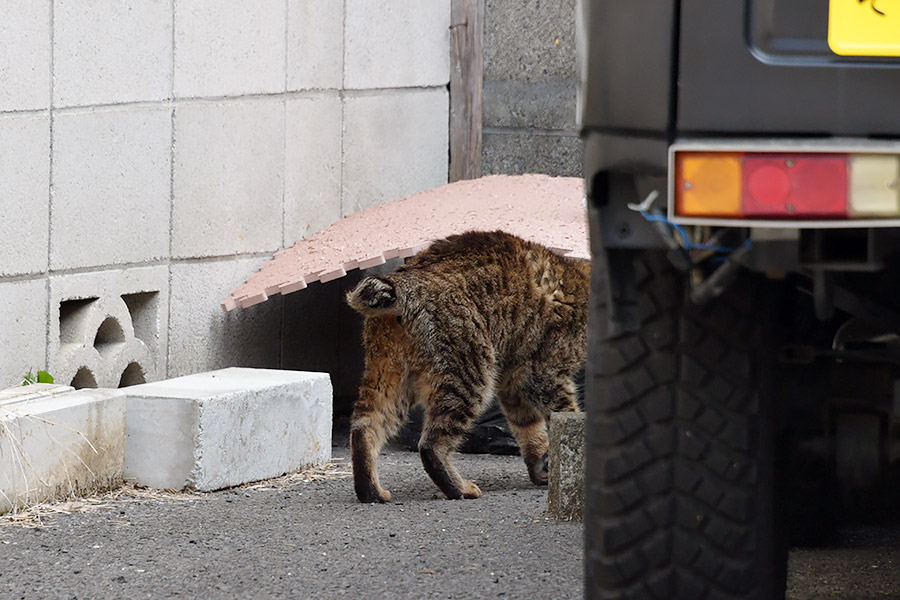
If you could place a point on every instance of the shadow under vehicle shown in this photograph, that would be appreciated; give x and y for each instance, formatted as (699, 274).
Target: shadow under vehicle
(742, 172)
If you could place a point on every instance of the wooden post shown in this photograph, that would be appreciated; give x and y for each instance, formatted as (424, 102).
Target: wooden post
(466, 66)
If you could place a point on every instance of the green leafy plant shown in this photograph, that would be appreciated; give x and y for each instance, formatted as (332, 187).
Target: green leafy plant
(41, 377)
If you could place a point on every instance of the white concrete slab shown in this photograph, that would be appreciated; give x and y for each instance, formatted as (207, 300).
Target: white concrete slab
(91, 39)
(315, 44)
(223, 428)
(229, 47)
(228, 182)
(312, 194)
(25, 55)
(395, 144)
(25, 173)
(396, 43)
(201, 336)
(57, 443)
(23, 329)
(111, 187)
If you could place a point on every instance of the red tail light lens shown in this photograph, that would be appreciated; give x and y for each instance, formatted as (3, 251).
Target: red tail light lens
(801, 187)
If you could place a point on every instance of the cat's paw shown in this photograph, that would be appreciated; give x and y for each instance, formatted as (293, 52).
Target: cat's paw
(538, 472)
(372, 495)
(470, 490)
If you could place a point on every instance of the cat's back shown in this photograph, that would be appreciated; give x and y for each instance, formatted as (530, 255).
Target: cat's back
(495, 266)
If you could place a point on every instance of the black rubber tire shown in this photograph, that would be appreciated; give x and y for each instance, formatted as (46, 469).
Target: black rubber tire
(679, 499)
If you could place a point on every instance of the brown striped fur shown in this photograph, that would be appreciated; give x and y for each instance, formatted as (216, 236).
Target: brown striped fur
(475, 316)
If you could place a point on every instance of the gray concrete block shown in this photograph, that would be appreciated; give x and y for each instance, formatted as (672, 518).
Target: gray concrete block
(511, 152)
(25, 173)
(312, 195)
(23, 329)
(59, 444)
(90, 39)
(530, 41)
(223, 428)
(202, 336)
(25, 55)
(229, 47)
(315, 45)
(111, 183)
(398, 43)
(565, 490)
(228, 179)
(543, 105)
(109, 328)
(395, 144)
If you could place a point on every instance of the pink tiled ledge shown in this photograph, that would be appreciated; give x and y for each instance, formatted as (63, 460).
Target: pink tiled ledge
(547, 210)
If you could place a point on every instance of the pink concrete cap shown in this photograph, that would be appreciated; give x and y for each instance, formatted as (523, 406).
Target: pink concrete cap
(539, 208)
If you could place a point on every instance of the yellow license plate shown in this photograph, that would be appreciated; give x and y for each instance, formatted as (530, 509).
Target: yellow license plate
(864, 27)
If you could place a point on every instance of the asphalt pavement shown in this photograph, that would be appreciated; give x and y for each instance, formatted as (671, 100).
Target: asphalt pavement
(300, 538)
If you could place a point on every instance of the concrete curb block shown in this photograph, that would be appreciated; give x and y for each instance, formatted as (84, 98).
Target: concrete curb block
(565, 493)
(206, 431)
(56, 442)
(224, 428)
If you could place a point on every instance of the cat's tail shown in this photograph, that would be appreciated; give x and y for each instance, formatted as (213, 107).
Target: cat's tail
(374, 296)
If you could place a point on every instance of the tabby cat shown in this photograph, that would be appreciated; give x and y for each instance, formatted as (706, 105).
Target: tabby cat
(473, 317)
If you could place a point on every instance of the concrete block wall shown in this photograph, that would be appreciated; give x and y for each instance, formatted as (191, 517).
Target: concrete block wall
(153, 153)
(528, 106)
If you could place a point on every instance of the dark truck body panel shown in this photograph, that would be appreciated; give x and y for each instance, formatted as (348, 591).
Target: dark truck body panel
(663, 69)
(741, 81)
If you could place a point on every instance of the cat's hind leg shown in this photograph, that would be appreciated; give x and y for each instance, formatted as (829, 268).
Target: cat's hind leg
(382, 405)
(457, 397)
(527, 404)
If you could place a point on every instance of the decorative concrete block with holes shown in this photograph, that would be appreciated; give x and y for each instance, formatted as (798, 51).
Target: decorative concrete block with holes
(223, 428)
(56, 442)
(108, 329)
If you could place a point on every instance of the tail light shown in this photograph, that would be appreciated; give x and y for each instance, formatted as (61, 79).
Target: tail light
(787, 186)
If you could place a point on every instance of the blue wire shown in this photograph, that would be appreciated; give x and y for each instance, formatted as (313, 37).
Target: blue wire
(687, 243)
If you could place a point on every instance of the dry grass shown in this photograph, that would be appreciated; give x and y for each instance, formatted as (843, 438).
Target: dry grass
(38, 514)
(34, 516)
(336, 469)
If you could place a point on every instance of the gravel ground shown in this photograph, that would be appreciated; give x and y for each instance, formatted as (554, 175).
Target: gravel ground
(311, 539)
(308, 540)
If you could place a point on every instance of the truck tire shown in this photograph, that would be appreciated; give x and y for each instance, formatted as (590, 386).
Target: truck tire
(680, 489)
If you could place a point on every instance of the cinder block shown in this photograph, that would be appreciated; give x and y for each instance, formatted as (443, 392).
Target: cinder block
(111, 187)
(565, 492)
(229, 178)
(223, 428)
(312, 198)
(23, 329)
(203, 337)
(398, 43)
(395, 144)
(229, 47)
(58, 443)
(519, 152)
(25, 55)
(315, 50)
(91, 38)
(109, 328)
(25, 173)
(529, 41)
(525, 105)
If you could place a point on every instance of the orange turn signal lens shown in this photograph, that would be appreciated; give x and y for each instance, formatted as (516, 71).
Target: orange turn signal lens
(709, 184)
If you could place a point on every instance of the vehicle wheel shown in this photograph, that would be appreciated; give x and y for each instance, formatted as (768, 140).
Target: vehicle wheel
(680, 470)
